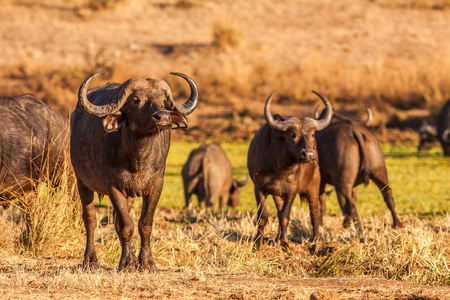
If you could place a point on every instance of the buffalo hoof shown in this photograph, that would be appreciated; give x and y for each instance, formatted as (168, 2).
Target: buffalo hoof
(90, 266)
(398, 225)
(149, 266)
(129, 264)
(285, 245)
(258, 243)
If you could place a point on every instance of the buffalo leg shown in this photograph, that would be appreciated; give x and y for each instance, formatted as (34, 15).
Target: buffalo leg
(279, 204)
(224, 199)
(124, 228)
(322, 201)
(357, 219)
(283, 218)
(262, 217)
(89, 219)
(381, 181)
(344, 194)
(150, 201)
(315, 211)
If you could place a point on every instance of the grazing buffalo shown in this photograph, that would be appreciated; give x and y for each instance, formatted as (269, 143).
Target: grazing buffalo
(31, 144)
(283, 162)
(119, 142)
(428, 134)
(349, 154)
(208, 174)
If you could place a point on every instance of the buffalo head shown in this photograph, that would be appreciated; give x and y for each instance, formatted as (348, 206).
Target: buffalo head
(143, 105)
(298, 133)
(428, 136)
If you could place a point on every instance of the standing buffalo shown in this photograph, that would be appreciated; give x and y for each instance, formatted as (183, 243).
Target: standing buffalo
(429, 134)
(282, 161)
(349, 154)
(119, 144)
(208, 174)
(31, 144)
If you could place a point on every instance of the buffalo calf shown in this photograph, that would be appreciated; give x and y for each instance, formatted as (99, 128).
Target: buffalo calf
(209, 175)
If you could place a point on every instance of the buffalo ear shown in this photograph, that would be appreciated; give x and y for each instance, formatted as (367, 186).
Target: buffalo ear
(114, 122)
(179, 121)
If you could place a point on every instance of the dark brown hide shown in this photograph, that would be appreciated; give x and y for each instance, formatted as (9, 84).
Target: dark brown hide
(349, 154)
(120, 139)
(32, 140)
(208, 174)
(282, 161)
(440, 132)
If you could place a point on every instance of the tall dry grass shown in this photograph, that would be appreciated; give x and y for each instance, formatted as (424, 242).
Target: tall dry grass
(46, 221)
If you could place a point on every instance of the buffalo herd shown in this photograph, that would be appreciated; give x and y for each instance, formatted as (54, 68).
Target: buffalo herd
(119, 141)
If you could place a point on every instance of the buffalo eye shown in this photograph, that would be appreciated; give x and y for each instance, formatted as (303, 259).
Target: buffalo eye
(136, 100)
(293, 135)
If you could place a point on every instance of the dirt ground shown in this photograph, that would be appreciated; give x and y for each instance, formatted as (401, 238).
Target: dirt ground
(156, 37)
(61, 279)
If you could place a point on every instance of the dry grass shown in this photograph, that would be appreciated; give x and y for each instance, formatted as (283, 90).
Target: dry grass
(393, 56)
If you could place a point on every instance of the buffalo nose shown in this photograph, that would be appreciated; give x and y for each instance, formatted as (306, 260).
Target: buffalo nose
(307, 155)
(162, 117)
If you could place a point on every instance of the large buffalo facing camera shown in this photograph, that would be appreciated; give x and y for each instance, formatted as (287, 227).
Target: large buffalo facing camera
(120, 139)
(282, 161)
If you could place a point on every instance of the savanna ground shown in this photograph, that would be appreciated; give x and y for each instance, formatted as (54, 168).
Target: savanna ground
(391, 55)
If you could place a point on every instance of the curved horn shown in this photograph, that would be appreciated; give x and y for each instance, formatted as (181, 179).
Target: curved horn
(426, 128)
(94, 110)
(445, 136)
(189, 106)
(325, 121)
(275, 124)
(316, 113)
(241, 183)
(368, 121)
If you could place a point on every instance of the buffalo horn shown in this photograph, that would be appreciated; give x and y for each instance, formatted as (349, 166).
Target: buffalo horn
(368, 121)
(445, 136)
(189, 106)
(325, 121)
(275, 124)
(94, 110)
(242, 183)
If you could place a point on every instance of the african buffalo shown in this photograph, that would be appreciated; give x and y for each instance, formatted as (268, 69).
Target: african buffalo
(31, 144)
(428, 134)
(349, 154)
(119, 142)
(282, 161)
(208, 174)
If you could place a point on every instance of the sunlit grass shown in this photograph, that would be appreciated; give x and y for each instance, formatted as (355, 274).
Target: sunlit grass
(419, 181)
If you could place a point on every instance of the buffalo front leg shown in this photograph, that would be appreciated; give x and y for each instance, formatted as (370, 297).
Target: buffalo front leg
(279, 205)
(315, 211)
(150, 201)
(283, 218)
(262, 217)
(89, 219)
(124, 228)
(322, 201)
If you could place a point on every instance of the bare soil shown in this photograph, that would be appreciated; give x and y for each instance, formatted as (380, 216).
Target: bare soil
(23, 278)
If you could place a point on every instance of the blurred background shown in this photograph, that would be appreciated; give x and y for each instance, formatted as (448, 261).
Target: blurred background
(391, 55)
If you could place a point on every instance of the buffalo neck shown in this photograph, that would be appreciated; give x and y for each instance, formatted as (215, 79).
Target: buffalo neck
(139, 153)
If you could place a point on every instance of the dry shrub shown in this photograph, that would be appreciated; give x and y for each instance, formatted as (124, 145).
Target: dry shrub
(50, 217)
(225, 35)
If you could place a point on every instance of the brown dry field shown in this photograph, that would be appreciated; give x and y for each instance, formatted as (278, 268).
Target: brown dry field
(394, 55)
